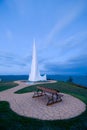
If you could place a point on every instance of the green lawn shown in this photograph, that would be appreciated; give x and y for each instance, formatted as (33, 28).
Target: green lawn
(7, 85)
(64, 87)
(9, 120)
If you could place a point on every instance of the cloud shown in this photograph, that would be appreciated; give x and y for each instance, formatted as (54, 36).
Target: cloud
(70, 47)
(74, 46)
(12, 63)
(8, 59)
(70, 64)
(66, 68)
(69, 16)
(9, 34)
(66, 57)
(79, 60)
(20, 6)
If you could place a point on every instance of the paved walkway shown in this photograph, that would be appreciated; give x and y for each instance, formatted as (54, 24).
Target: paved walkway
(25, 105)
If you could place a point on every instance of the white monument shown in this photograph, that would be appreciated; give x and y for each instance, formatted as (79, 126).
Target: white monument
(35, 74)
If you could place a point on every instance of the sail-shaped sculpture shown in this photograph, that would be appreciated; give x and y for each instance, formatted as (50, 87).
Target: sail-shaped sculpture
(35, 74)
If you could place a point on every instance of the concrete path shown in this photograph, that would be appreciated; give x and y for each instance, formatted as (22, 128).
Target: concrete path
(25, 105)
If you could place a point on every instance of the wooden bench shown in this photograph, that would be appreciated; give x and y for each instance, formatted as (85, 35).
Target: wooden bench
(53, 95)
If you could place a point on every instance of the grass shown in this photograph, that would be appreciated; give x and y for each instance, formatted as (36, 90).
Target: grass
(9, 120)
(63, 87)
(7, 85)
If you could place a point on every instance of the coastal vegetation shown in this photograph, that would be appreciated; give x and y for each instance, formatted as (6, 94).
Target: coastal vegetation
(9, 120)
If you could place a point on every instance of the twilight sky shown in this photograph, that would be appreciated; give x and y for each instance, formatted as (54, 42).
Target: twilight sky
(59, 28)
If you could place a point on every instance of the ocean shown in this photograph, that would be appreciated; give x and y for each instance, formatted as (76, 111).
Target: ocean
(80, 80)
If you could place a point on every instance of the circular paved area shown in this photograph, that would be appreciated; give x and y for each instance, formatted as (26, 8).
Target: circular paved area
(25, 105)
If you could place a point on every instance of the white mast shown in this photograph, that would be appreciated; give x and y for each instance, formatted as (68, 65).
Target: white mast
(35, 74)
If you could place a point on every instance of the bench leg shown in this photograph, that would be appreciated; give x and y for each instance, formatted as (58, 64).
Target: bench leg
(50, 100)
(54, 99)
(38, 94)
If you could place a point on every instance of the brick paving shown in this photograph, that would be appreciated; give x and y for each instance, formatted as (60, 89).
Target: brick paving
(25, 105)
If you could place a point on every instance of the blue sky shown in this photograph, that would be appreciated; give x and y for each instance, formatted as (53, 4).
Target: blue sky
(59, 28)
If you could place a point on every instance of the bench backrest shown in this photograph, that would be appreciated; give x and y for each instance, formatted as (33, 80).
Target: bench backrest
(48, 90)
